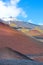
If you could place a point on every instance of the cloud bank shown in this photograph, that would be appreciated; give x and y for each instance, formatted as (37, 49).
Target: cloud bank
(11, 8)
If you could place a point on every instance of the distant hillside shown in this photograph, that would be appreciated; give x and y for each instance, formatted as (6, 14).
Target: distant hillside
(22, 24)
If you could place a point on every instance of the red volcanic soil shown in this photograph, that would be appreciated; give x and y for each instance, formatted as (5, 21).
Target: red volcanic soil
(8, 53)
(41, 35)
(18, 41)
(34, 32)
(39, 59)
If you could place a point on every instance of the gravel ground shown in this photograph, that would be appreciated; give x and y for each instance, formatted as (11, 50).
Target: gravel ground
(19, 62)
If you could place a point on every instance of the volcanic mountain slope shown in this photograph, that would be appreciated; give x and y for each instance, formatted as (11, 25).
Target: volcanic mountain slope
(18, 41)
(41, 35)
(34, 32)
(8, 53)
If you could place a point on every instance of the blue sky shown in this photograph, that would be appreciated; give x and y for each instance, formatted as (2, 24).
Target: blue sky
(26, 10)
(34, 10)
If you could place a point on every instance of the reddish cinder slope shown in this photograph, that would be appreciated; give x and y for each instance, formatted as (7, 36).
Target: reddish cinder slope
(41, 35)
(34, 32)
(18, 41)
(39, 59)
(8, 53)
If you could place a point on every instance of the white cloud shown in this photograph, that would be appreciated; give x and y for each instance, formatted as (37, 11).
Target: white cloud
(11, 9)
(30, 21)
(14, 2)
